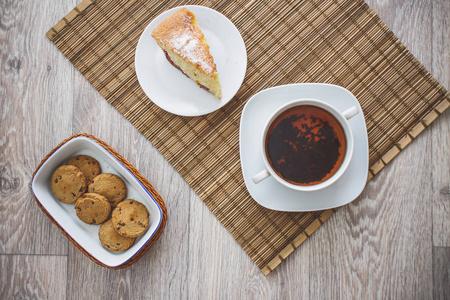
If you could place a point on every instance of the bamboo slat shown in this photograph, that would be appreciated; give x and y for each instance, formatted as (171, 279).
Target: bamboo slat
(338, 42)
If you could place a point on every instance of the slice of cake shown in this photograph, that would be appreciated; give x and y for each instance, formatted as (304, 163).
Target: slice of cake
(185, 47)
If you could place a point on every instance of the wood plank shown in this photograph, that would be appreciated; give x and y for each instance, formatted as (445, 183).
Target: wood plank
(440, 130)
(33, 277)
(441, 272)
(35, 115)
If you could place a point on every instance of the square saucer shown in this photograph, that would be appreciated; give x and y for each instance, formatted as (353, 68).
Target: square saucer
(85, 236)
(272, 194)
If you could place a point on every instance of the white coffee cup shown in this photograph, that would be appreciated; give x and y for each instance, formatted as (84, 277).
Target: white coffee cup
(341, 117)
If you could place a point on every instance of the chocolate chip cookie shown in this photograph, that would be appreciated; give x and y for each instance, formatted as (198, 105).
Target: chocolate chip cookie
(109, 185)
(88, 165)
(92, 211)
(130, 218)
(111, 240)
(68, 183)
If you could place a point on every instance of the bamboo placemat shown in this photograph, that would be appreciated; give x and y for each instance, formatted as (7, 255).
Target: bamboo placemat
(338, 42)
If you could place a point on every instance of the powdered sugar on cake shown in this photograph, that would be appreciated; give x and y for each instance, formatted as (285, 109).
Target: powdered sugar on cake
(189, 48)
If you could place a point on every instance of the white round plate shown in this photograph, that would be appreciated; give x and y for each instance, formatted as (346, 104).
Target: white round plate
(272, 194)
(174, 92)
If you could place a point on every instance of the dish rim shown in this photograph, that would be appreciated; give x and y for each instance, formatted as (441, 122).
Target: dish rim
(125, 168)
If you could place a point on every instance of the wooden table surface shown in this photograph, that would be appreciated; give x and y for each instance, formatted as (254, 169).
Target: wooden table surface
(391, 242)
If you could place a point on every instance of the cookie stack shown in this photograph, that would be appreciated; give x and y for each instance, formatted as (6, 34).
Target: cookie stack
(99, 199)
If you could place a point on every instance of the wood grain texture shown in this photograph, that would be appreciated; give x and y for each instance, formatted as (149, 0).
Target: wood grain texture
(29, 74)
(440, 131)
(382, 245)
(441, 272)
(33, 276)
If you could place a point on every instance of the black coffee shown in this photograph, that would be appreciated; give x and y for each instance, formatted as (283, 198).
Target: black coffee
(305, 145)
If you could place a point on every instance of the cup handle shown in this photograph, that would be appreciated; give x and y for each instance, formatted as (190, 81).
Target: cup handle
(261, 176)
(351, 112)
